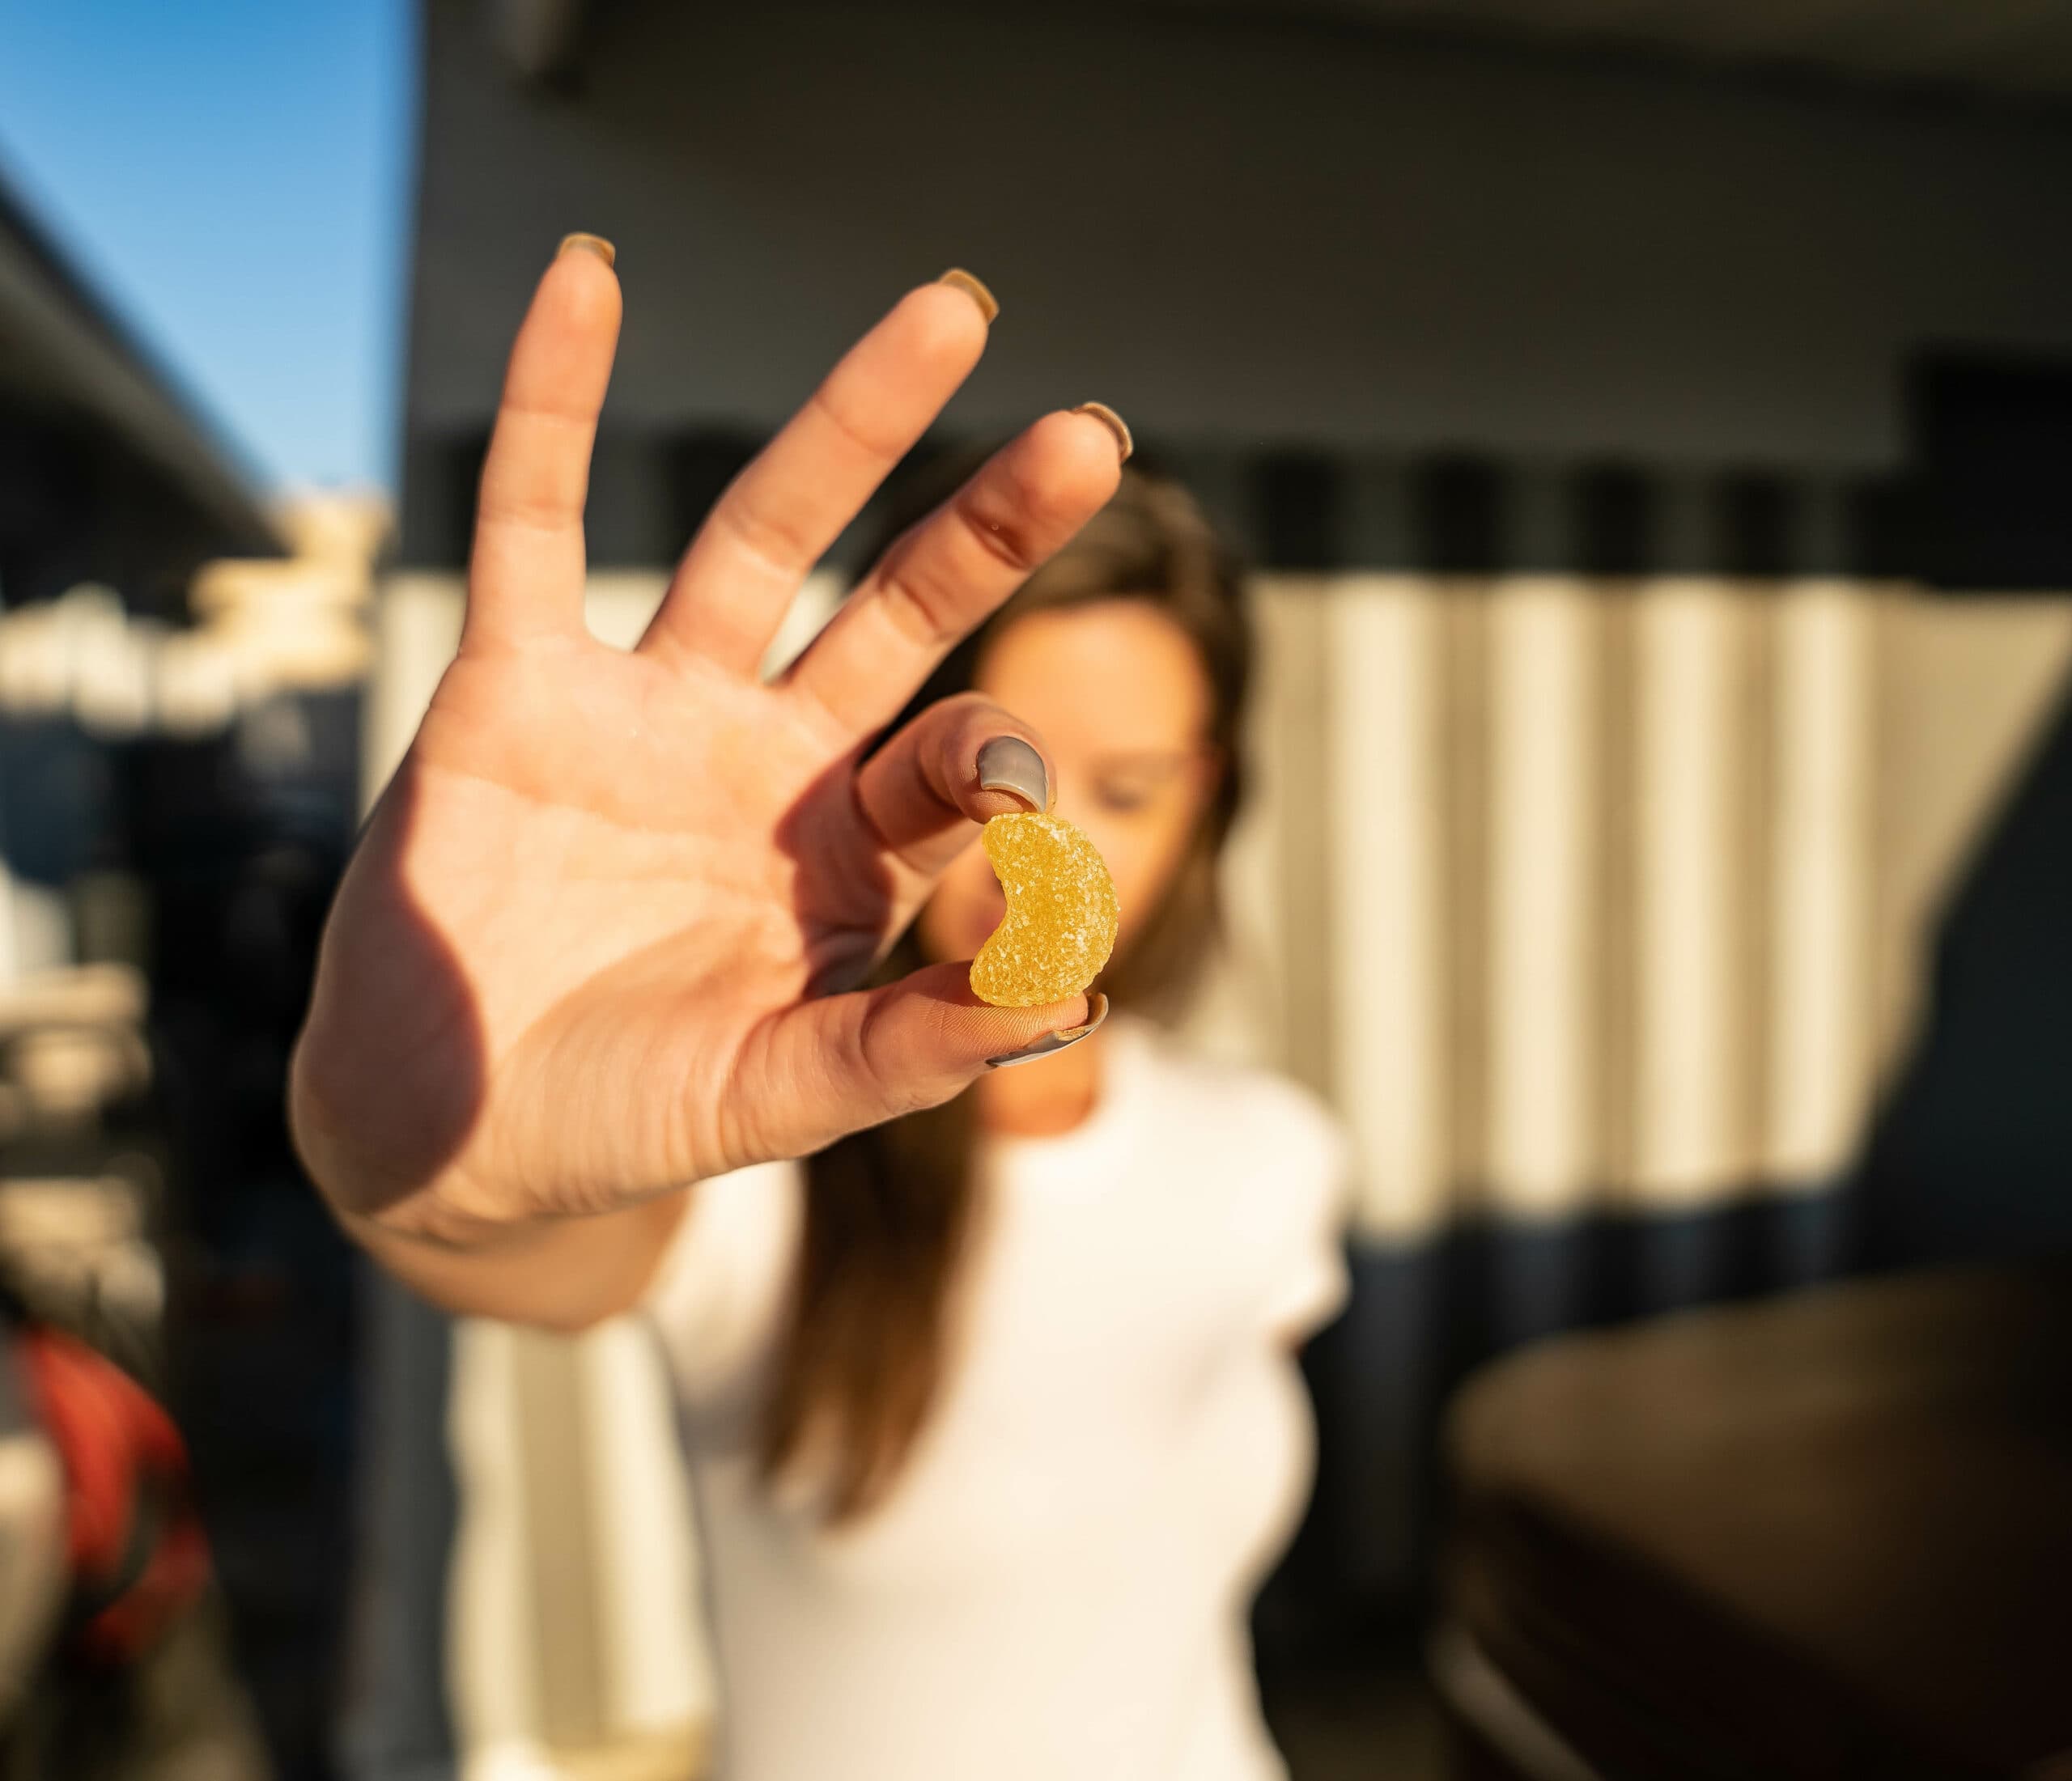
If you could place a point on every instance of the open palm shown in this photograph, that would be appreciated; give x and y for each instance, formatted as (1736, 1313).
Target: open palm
(595, 941)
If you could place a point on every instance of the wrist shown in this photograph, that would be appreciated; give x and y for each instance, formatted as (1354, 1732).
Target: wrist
(366, 1199)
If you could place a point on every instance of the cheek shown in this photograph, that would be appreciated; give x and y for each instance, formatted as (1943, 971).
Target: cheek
(1142, 848)
(1143, 851)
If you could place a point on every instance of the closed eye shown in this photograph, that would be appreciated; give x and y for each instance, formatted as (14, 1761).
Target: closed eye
(1130, 782)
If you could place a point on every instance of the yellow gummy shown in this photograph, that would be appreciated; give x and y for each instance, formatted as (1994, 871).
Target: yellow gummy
(1061, 922)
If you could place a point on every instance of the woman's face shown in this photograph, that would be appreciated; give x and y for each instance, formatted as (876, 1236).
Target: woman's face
(1118, 693)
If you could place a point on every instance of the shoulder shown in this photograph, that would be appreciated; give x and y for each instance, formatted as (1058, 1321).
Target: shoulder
(1258, 1112)
(1272, 1156)
(1270, 1147)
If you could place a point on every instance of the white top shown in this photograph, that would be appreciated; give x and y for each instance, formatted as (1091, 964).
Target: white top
(1059, 1583)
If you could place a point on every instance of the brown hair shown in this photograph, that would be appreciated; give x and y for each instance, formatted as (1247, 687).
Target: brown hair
(889, 1211)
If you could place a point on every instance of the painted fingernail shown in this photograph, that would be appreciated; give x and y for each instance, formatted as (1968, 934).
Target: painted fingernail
(1114, 423)
(1008, 763)
(958, 279)
(588, 243)
(1052, 1044)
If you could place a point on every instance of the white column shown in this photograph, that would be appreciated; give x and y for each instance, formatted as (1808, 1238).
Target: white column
(657, 1676)
(1691, 737)
(1819, 1049)
(490, 1654)
(1389, 1013)
(1544, 819)
(417, 628)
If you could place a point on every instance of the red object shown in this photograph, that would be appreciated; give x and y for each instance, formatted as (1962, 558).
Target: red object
(137, 1555)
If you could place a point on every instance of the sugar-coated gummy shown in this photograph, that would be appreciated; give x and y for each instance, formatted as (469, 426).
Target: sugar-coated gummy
(1061, 922)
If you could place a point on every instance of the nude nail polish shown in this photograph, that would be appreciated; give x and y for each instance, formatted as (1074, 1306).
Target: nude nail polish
(1114, 423)
(958, 279)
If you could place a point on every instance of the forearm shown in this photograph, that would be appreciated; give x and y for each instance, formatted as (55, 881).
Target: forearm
(563, 1273)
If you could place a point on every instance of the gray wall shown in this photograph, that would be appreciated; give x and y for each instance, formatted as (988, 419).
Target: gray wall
(1239, 229)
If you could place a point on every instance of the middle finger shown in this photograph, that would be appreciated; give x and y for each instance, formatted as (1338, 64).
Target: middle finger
(779, 515)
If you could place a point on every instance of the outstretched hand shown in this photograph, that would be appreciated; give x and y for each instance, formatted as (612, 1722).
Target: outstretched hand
(597, 940)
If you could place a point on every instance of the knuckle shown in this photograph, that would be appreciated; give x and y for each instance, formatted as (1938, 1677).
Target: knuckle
(885, 1051)
(1031, 499)
(772, 538)
(833, 402)
(917, 601)
(1004, 515)
(871, 1054)
(524, 509)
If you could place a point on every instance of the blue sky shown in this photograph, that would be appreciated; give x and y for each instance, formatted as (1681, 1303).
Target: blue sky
(232, 175)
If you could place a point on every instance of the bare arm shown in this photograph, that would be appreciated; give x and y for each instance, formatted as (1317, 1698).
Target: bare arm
(566, 1276)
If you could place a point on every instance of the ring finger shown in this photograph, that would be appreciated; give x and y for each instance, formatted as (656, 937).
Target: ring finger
(939, 580)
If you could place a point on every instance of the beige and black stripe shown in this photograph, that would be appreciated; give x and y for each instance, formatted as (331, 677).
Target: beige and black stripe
(1601, 825)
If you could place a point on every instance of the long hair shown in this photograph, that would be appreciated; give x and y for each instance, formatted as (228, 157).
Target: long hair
(890, 1212)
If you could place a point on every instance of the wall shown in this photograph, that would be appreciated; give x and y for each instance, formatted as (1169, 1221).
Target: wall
(1239, 229)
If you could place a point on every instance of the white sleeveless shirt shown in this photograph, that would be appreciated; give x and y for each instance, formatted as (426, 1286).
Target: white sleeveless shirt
(1059, 1584)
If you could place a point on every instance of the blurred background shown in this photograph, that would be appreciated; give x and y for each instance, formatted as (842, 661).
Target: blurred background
(1651, 426)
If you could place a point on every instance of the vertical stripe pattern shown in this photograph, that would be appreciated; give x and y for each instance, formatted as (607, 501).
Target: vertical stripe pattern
(1546, 793)
(1690, 932)
(1574, 895)
(1819, 1063)
(1389, 938)
(1606, 863)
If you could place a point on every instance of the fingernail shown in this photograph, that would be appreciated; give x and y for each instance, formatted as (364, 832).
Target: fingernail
(1052, 1044)
(1008, 764)
(589, 243)
(958, 279)
(1114, 423)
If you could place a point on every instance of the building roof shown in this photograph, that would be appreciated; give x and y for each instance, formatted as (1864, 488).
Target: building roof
(107, 470)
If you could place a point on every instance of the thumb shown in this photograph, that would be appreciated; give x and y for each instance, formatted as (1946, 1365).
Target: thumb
(838, 1064)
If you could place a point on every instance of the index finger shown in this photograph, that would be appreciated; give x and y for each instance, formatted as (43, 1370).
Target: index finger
(526, 575)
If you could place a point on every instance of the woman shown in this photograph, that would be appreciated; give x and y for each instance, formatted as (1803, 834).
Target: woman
(989, 1408)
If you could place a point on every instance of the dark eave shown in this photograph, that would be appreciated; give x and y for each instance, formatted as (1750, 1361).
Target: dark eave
(77, 386)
